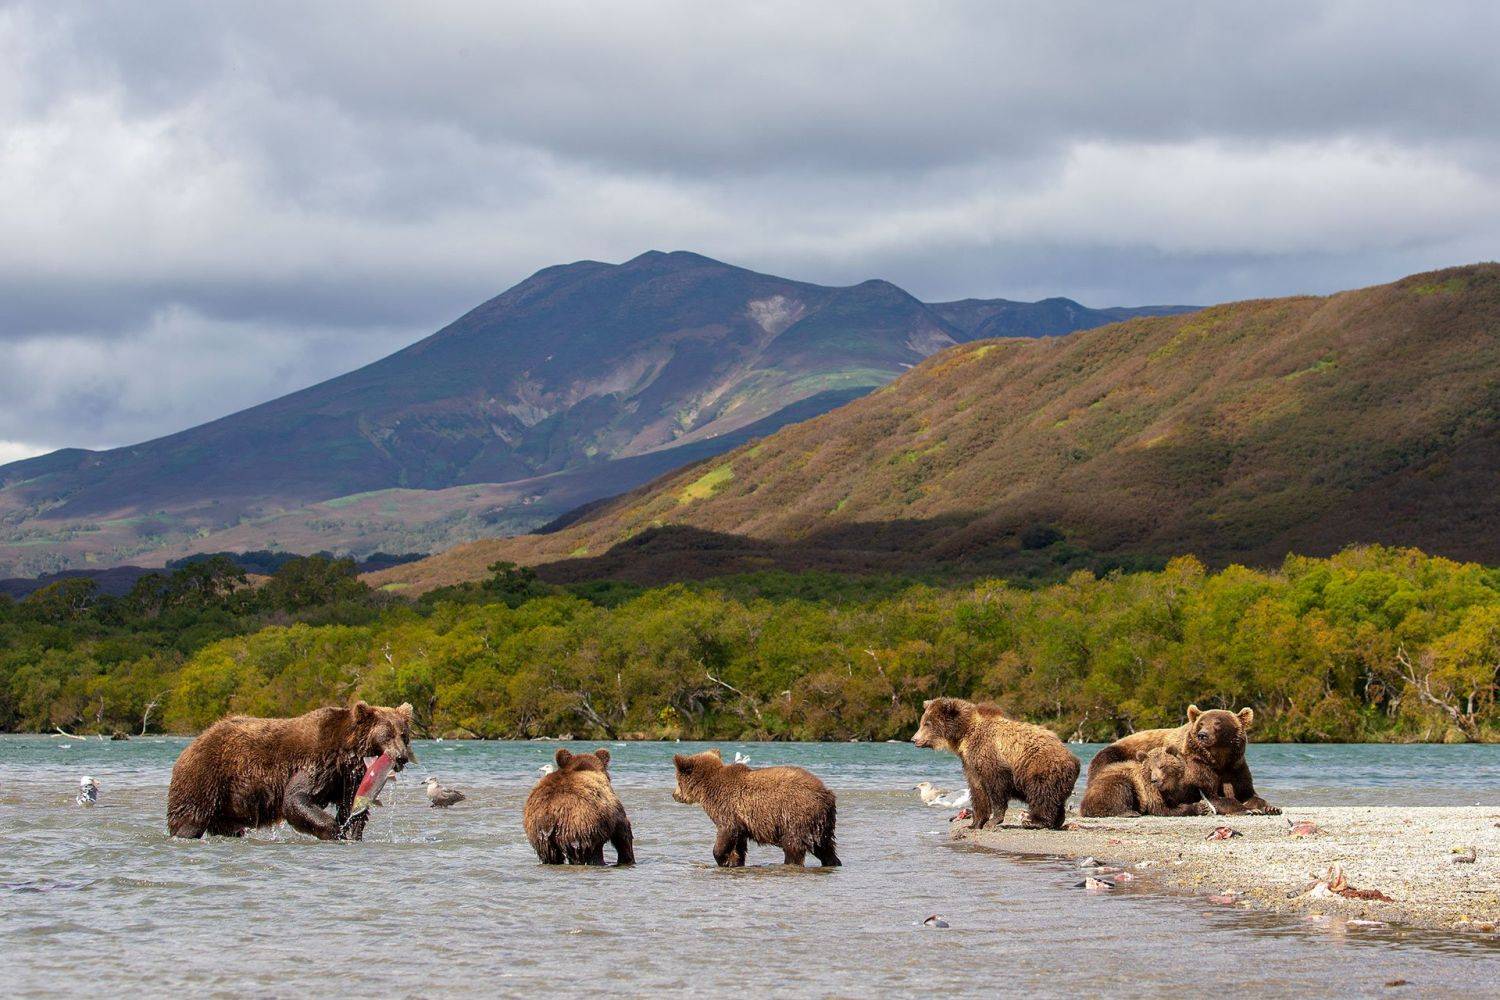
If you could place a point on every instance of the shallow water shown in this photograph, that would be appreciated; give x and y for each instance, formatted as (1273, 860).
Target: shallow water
(438, 902)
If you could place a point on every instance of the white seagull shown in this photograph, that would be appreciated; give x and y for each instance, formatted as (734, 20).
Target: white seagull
(741, 758)
(930, 793)
(439, 797)
(88, 791)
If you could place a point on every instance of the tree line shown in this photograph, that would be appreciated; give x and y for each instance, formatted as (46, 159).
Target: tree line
(1372, 644)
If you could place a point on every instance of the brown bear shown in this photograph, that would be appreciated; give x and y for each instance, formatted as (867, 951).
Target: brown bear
(1148, 785)
(574, 811)
(786, 807)
(242, 773)
(1003, 759)
(1212, 744)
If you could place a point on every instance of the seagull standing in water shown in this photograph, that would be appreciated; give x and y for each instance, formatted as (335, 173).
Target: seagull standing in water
(741, 758)
(439, 797)
(88, 791)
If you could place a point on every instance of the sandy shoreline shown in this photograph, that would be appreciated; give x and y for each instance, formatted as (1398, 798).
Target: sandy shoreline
(1405, 853)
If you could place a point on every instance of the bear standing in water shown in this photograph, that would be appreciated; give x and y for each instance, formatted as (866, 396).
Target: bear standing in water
(574, 811)
(786, 807)
(242, 773)
(1003, 759)
(1212, 744)
(1149, 785)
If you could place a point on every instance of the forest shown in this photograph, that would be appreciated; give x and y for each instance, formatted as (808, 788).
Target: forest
(1372, 644)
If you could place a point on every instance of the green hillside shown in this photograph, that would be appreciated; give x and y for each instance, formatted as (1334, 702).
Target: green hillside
(1239, 432)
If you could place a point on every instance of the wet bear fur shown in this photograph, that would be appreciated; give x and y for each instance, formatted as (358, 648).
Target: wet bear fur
(786, 807)
(573, 812)
(242, 773)
(1003, 759)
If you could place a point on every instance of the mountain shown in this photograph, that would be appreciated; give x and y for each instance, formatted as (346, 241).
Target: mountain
(981, 319)
(583, 381)
(1239, 432)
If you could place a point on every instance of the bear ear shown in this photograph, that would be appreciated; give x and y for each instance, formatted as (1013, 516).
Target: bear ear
(680, 761)
(603, 756)
(1247, 717)
(715, 752)
(562, 756)
(1140, 756)
(405, 709)
(1173, 751)
(1193, 712)
(928, 703)
(361, 711)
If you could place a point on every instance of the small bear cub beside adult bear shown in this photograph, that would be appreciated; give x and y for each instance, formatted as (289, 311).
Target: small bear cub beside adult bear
(573, 812)
(786, 807)
(1154, 783)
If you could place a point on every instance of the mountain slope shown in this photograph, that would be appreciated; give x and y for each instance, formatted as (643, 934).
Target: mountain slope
(1239, 432)
(585, 380)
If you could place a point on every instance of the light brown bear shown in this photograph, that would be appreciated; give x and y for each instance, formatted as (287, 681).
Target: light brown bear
(1212, 744)
(786, 807)
(1003, 759)
(242, 773)
(573, 812)
(1147, 785)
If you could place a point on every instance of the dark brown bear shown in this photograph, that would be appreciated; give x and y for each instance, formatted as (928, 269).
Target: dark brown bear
(1003, 759)
(243, 773)
(786, 807)
(1147, 785)
(1213, 745)
(574, 811)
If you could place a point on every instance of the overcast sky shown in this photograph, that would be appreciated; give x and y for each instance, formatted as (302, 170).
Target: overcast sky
(202, 209)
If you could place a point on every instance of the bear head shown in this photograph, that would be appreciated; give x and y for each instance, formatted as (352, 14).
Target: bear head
(1166, 768)
(377, 731)
(568, 761)
(945, 722)
(1216, 735)
(692, 771)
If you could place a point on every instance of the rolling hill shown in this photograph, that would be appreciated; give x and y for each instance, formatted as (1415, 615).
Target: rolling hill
(1239, 432)
(580, 382)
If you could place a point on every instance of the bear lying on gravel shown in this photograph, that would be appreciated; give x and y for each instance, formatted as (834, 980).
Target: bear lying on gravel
(1147, 785)
(783, 806)
(574, 811)
(1212, 744)
(242, 773)
(1003, 759)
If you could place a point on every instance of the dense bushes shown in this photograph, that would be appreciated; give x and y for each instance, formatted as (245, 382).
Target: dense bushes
(1372, 644)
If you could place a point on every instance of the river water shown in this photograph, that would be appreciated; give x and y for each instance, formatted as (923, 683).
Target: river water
(436, 903)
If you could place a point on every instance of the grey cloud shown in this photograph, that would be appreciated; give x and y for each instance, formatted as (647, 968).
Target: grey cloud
(273, 193)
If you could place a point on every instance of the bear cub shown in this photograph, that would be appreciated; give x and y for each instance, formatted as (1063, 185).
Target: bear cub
(1149, 785)
(573, 812)
(1003, 759)
(786, 807)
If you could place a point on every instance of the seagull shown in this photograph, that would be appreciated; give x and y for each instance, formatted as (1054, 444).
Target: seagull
(547, 768)
(88, 791)
(930, 793)
(439, 797)
(741, 758)
(955, 801)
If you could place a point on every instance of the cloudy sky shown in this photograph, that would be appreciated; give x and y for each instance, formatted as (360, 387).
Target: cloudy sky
(202, 208)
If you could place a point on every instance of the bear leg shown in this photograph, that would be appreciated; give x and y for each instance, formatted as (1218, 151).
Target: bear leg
(794, 856)
(729, 849)
(304, 817)
(623, 842)
(826, 855)
(186, 829)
